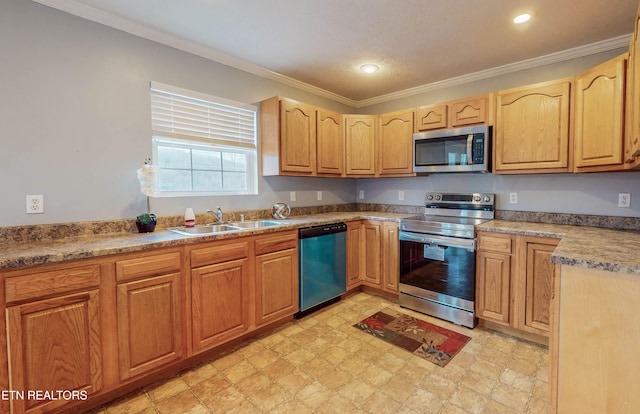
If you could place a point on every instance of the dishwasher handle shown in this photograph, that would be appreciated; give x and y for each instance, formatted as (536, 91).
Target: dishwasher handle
(323, 230)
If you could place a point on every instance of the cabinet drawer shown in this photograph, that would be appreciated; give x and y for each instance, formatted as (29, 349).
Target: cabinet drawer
(219, 252)
(53, 282)
(501, 243)
(281, 241)
(156, 264)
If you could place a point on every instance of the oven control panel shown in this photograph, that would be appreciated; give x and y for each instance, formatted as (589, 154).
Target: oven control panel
(460, 199)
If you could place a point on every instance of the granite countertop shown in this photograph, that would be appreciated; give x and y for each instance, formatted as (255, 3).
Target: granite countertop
(590, 247)
(13, 255)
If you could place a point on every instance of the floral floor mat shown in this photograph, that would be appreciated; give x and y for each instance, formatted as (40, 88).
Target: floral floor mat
(431, 342)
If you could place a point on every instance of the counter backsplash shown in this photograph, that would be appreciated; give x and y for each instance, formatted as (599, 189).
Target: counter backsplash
(29, 233)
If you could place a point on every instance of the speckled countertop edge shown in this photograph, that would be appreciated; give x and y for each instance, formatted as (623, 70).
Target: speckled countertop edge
(590, 247)
(581, 246)
(14, 255)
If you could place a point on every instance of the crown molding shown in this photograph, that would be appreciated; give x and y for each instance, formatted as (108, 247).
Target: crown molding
(159, 36)
(557, 57)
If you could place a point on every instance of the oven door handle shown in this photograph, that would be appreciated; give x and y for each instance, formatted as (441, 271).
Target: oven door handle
(468, 244)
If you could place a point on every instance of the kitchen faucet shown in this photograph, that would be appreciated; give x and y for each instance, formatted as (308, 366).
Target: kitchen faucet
(216, 215)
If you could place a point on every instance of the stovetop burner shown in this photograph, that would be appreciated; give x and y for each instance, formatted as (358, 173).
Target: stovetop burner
(452, 214)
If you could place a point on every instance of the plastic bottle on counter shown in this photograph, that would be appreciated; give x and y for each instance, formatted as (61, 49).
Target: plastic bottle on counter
(189, 218)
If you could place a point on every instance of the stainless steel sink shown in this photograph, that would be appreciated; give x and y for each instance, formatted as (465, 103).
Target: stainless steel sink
(254, 224)
(206, 229)
(203, 230)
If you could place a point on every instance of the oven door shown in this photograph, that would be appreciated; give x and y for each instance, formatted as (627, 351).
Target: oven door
(438, 268)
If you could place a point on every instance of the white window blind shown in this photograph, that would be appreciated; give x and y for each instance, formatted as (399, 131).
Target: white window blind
(204, 145)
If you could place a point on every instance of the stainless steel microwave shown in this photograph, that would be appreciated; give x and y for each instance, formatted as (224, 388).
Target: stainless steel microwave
(452, 150)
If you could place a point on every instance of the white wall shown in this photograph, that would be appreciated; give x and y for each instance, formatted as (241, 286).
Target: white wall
(553, 193)
(75, 126)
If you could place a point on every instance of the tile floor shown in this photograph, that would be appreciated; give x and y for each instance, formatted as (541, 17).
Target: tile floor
(322, 364)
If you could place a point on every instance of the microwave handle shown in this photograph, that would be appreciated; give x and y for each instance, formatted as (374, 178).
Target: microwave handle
(470, 149)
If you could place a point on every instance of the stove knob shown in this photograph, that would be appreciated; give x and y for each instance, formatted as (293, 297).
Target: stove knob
(476, 199)
(487, 199)
(429, 197)
(437, 197)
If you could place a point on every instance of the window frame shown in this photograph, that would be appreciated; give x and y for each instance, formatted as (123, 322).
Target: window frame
(162, 135)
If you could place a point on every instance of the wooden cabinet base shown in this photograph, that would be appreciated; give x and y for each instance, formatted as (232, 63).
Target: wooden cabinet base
(168, 371)
(516, 333)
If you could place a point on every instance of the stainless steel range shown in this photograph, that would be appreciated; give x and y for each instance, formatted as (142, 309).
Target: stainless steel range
(437, 255)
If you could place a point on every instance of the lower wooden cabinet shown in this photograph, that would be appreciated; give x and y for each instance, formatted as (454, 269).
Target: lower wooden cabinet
(390, 257)
(493, 280)
(372, 251)
(514, 277)
(220, 293)
(534, 288)
(54, 333)
(355, 257)
(276, 273)
(373, 255)
(149, 312)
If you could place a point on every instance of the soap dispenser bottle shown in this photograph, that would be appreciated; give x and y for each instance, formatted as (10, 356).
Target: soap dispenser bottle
(189, 218)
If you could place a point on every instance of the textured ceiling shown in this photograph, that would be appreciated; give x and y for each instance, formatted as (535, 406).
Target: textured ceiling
(323, 43)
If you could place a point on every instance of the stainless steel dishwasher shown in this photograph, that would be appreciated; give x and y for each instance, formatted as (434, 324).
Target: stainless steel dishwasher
(323, 265)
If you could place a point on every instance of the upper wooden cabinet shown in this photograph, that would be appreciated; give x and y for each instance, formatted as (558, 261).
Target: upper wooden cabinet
(300, 139)
(288, 130)
(360, 139)
(632, 138)
(330, 143)
(395, 143)
(532, 132)
(431, 117)
(599, 117)
(453, 114)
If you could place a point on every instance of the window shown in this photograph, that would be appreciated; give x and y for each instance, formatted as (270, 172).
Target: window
(203, 145)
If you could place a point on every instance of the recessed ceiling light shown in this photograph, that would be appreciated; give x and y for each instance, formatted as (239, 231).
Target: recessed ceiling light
(522, 18)
(369, 68)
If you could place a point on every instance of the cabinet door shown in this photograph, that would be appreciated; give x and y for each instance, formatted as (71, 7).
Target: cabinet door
(599, 116)
(493, 280)
(532, 129)
(391, 257)
(276, 285)
(149, 323)
(355, 259)
(360, 138)
(431, 117)
(534, 287)
(372, 246)
(634, 93)
(395, 144)
(297, 137)
(330, 143)
(220, 298)
(468, 112)
(54, 344)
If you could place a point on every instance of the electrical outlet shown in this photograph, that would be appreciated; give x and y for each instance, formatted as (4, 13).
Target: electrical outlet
(624, 200)
(401, 195)
(35, 204)
(361, 194)
(513, 198)
(319, 194)
(292, 196)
